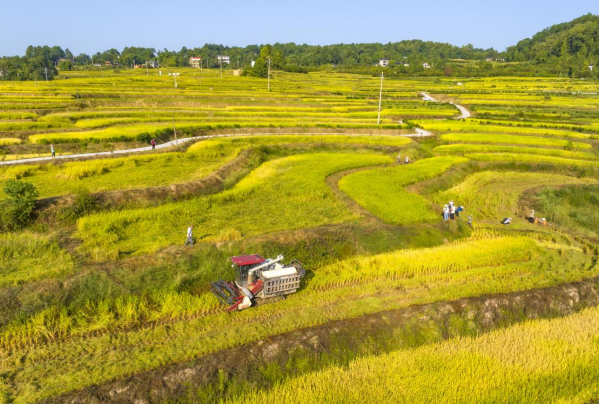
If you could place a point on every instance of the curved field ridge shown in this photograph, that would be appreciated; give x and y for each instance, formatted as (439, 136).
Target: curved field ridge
(161, 169)
(284, 194)
(294, 138)
(537, 362)
(382, 191)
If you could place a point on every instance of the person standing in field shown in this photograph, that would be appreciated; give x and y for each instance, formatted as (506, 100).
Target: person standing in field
(398, 158)
(445, 213)
(407, 160)
(452, 212)
(189, 236)
(52, 150)
(153, 143)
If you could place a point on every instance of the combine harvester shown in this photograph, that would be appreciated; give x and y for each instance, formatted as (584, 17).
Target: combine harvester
(258, 278)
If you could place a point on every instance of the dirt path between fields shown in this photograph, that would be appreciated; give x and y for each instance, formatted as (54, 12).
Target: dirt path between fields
(397, 329)
(176, 143)
(464, 113)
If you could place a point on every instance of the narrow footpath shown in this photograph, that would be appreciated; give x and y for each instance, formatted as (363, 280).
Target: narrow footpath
(175, 143)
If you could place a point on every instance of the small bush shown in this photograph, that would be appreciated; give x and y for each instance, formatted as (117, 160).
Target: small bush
(84, 204)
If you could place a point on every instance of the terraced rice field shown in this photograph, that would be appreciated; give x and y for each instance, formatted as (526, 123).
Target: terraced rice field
(98, 290)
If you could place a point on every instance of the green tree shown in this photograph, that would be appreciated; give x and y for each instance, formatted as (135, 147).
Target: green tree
(65, 65)
(275, 55)
(20, 203)
(260, 69)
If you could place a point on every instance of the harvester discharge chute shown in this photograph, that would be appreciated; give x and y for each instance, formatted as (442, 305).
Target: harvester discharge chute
(258, 278)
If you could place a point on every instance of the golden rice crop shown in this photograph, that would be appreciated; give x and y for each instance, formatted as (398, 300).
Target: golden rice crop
(459, 256)
(536, 362)
(6, 141)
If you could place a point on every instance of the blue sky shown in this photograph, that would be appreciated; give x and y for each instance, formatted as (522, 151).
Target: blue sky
(88, 27)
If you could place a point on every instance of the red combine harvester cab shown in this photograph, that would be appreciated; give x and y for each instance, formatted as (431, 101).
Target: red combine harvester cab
(258, 278)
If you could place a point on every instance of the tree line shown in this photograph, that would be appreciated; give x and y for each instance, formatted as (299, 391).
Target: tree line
(568, 49)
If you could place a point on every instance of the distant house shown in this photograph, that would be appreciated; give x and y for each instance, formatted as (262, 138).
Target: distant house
(426, 65)
(223, 59)
(591, 67)
(488, 59)
(253, 63)
(195, 61)
(384, 62)
(108, 63)
(153, 64)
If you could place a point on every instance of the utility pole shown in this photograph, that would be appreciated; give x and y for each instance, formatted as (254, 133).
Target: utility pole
(46, 71)
(175, 130)
(378, 121)
(269, 74)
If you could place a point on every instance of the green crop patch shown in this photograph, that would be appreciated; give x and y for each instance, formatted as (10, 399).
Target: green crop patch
(382, 191)
(297, 181)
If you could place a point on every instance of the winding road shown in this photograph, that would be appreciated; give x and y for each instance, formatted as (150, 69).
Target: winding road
(419, 133)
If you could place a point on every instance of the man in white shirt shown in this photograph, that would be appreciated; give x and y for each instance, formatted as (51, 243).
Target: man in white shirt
(189, 236)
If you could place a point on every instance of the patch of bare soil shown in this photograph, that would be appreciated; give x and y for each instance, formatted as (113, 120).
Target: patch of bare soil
(406, 327)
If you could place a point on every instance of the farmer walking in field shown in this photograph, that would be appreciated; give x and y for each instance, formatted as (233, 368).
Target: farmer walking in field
(189, 236)
(52, 150)
(153, 143)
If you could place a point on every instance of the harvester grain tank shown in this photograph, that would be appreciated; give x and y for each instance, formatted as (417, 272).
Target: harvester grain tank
(258, 278)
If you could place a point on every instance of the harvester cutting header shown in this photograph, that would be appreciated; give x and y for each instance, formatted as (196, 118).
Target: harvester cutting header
(258, 278)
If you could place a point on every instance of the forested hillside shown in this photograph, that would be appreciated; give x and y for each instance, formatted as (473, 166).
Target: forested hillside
(572, 46)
